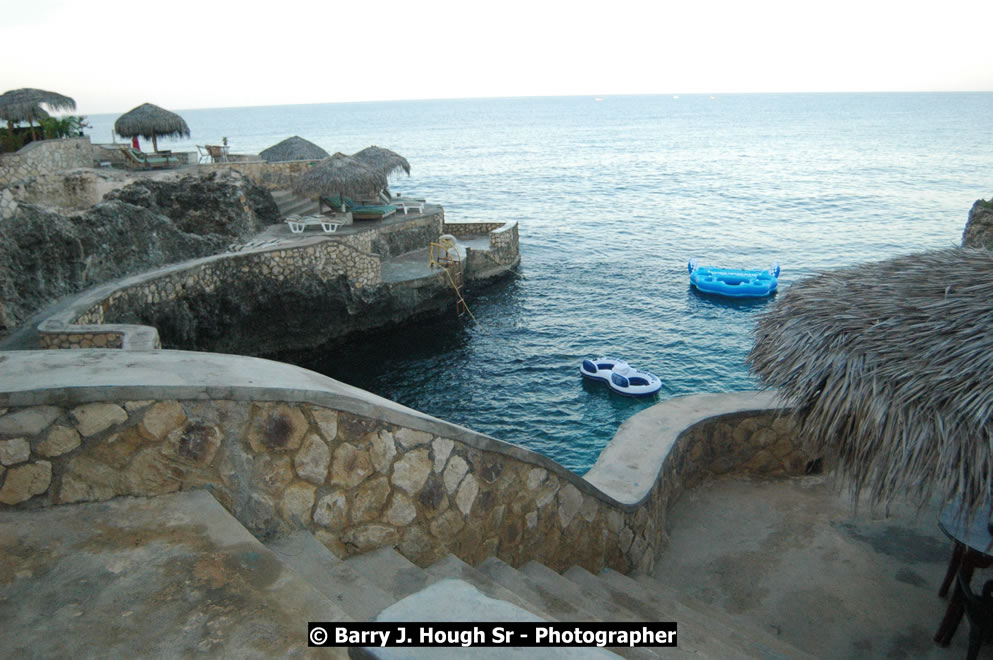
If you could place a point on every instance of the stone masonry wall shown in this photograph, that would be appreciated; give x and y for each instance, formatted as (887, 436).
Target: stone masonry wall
(359, 483)
(46, 157)
(271, 176)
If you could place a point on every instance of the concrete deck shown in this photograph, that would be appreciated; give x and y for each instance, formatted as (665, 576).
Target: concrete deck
(170, 576)
(790, 557)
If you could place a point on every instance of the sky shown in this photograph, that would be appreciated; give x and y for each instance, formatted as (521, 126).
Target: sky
(111, 56)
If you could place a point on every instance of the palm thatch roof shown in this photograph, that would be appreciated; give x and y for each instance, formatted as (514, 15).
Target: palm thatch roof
(891, 363)
(293, 148)
(25, 104)
(383, 160)
(340, 175)
(151, 122)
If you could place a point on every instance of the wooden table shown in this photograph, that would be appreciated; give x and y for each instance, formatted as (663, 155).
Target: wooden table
(973, 549)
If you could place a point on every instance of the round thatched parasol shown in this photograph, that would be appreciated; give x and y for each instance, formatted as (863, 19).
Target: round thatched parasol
(293, 148)
(25, 105)
(149, 121)
(382, 160)
(340, 175)
(891, 363)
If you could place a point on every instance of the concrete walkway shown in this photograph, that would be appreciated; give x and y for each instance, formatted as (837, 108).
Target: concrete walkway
(790, 557)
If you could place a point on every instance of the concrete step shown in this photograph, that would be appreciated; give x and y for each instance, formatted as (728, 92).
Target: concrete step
(744, 634)
(456, 600)
(390, 571)
(451, 567)
(558, 608)
(289, 202)
(334, 578)
(171, 576)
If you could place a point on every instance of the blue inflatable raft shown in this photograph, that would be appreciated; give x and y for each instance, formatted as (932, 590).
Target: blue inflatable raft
(734, 283)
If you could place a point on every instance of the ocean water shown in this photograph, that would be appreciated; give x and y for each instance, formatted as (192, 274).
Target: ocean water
(613, 197)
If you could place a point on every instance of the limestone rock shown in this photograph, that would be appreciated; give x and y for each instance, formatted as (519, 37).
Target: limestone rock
(467, 494)
(457, 467)
(369, 500)
(332, 511)
(92, 418)
(297, 502)
(273, 473)
(412, 471)
(117, 449)
(979, 227)
(25, 481)
(277, 427)
(410, 438)
(150, 473)
(371, 536)
(401, 511)
(327, 422)
(313, 459)
(442, 449)
(14, 451)
(350, 466)
(196, 442)
(162, 419)
(447, 525)
(382, 450)
(536, 477)
(570, 499)
(28, 421)
(60, 440)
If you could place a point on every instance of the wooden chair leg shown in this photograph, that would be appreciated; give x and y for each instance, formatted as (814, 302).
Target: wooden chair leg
(953, 567)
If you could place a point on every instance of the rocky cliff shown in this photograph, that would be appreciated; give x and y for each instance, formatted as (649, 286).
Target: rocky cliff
(979, 228)
(45, 255)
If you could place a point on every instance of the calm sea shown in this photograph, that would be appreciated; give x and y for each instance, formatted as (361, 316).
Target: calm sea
(613, 197)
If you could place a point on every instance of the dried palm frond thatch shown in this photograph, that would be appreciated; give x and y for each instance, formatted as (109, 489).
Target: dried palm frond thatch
(293, 148)
(340, 175)
(891, 363)
(25, 104)
(150, 121)
(383, 160)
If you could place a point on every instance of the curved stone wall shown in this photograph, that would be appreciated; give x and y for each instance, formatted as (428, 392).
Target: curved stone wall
(46, 157)
(282, 448)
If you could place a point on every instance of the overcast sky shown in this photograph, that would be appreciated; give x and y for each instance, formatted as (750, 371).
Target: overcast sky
(111, 56)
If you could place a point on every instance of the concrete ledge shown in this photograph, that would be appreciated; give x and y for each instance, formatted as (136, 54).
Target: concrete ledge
(632, 463)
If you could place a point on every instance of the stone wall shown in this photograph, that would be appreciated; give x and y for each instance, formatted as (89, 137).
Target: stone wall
(360, 482)
(272, 176)
(46, 157)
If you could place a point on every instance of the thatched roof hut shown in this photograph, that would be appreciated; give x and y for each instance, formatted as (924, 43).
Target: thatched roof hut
(891, 365)
(293, 148)
(25, 104)
(150, 121)
(385, 161)
(340, 175)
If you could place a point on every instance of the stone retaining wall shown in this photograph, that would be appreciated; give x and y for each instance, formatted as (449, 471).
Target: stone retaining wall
(46, 157)
(359, 482)
(271, 176)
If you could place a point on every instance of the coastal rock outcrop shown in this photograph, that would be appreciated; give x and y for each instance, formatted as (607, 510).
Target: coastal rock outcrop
(223, 202)
(979, 228)
(45, 255)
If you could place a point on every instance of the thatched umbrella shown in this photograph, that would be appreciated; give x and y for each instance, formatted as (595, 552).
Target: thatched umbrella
(340, 175)
(25, 105)
(891, 363)
(382, 160)
(149, 121)
(293, 148)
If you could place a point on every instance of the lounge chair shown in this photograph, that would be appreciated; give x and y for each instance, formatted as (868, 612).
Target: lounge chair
(135, 159)
(358, 211)
(298, 224)
(405, 203)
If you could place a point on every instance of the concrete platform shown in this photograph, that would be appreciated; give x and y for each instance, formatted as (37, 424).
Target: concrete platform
(790, 557)
(171, 576)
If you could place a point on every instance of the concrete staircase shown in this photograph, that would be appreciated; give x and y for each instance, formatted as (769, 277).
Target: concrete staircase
(364, 585)
(178, 575)
(289, 203)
